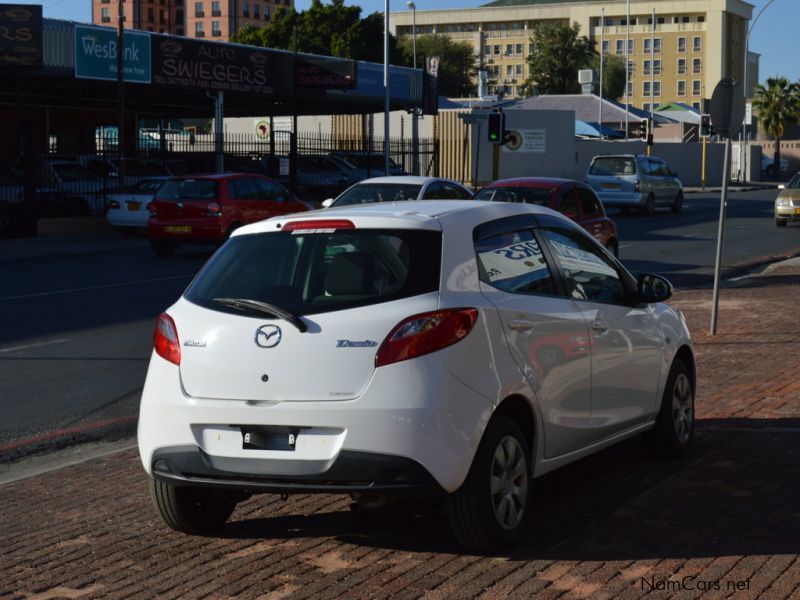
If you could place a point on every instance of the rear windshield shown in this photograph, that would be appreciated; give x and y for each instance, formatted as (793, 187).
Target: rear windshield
(309, 273)
(188, 189)
(516, 194)
(368, 161)
(613, 166)
(366, 193)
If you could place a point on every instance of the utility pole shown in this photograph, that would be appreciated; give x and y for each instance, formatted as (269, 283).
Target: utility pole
(121, 91)
(602, 58)
(627, 68)
(386, 87)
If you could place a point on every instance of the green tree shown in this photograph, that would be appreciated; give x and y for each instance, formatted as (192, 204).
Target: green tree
(778, 105)
(613, 76)
(457, 62)
(559, 53)
(333, 29)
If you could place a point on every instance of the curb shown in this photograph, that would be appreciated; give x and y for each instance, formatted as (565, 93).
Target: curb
(717, 189)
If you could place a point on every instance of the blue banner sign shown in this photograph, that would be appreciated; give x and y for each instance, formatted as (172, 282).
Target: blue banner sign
(96, 54)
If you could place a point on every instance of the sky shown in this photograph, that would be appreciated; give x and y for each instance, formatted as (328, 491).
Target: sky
(773, 35)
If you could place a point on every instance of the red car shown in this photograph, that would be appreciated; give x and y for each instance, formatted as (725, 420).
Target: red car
(201, 209)
(572, 198)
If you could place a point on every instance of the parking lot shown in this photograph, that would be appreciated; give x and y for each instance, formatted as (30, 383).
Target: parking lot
(721, 522)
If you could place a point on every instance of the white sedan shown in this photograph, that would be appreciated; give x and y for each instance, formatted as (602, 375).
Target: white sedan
(128, 206)
(452, 348)
(400, 188)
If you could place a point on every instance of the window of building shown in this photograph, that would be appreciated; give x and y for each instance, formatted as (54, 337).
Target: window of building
(509, 70)
(681, 88)
(531, 48)
(198, 29)
(660, 20)
(150, 15)
(198, 10)
(656, 105)
(684, 19)
(518, 70)
(698, 106)
(105, 16)
(606, 46)
(646, 106)
(646, 69)
(631, 68)
(179, 16)
(681, 44)
(266, 13)
(681, 66)
(509, 49)
(256, 11)
(630, 46)
(697, 66)
(497, 49)
(646, 89)
(647, 45)
(701, 18)
(697, 44)
(696, 87)
(216, 31)
(656, 89)
(620, 46)
(657, 67)
(215, 9)
(487, 50)
(630, 89)
(518, 49)
(609, 22)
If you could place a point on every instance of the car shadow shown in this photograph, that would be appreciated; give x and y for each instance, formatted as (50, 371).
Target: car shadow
(732, 495)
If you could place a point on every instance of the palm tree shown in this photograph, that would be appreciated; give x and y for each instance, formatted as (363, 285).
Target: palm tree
(778, 105)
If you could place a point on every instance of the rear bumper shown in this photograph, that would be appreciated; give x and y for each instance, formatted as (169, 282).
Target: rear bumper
(622, 200)
(117, 217)
(201, 231)
(350, 472)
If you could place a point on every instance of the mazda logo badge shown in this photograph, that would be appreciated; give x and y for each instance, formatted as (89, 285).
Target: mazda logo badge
(268, 336)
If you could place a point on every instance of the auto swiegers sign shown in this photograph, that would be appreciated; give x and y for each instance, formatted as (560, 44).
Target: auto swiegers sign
(20, 35)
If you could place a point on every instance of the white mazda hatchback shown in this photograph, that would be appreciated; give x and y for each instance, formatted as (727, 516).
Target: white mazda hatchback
(453, 348)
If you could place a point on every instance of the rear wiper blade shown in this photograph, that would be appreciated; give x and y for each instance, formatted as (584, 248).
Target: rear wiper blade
(265, 308)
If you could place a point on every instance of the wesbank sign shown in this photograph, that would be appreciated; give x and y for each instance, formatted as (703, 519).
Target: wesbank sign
(96, 54)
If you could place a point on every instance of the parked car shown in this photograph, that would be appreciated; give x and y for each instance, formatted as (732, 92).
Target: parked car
(205, 209)
(46, 201)
(129, 207)
(371, 351)
(768, 165)
(787, 204)
(108, 168)
(318, 177)
(398, 189)
(635, 181)
(82, 189)
(362, 165)
(571, 198)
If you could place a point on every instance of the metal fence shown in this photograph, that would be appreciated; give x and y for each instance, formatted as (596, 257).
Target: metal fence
(77, 176)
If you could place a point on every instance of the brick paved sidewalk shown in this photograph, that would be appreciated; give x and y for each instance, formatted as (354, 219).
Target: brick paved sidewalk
(723, 522)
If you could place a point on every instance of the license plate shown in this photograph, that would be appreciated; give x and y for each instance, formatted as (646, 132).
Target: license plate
(178, 229)
(611, 186)
(269, 437)
(134, 206)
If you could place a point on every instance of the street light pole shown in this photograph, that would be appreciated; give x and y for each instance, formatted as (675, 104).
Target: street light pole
(745, 145)
(410, 4)
(121, 89)
(386, 87)
(627, 67)
(415, 110)
(602, 58)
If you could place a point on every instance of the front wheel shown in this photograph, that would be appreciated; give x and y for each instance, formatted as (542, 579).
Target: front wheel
(674, 428)
(192, 510)
(491, 508)
(677, 204)
(649, 205)
(780, 222)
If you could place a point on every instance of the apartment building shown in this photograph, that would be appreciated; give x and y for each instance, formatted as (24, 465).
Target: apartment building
(213, 19)
(679, 58)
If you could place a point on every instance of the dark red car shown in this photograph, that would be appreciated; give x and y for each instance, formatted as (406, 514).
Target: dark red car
(572, 198)
(201, 209)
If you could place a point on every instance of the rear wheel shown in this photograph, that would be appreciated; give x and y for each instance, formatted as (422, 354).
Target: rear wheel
(677, 204)
(674, 428)
(491, 508)
(163, 248)
(780, 222)
(649, 205)
(190, 509)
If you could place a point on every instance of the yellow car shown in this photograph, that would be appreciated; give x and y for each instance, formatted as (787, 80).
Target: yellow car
(787, 204)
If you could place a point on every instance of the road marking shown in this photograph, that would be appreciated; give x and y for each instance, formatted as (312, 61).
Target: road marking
(37, 345)
(95, 287)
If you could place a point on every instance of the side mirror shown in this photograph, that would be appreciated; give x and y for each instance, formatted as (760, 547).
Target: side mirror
(327, 203)
(653, 288)
(781, 187)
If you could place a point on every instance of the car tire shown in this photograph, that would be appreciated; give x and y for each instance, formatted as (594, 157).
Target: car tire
(613, 247)
(163, 248)
(192, 510)
(674, 429)
(677, 204)
(480, 518)
(649, 205)
(780, 222)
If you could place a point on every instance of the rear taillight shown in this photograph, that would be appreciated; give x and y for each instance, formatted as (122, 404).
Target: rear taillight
(637, 186)
(214, 209)
(318, 225)
(113, 204)
(152, 209)
(425, 333)
(165, 339)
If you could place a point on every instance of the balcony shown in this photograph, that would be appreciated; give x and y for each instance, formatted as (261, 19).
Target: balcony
(199, 13)
(216, 13)
(642, 29)
(216, 33)
(200, 34)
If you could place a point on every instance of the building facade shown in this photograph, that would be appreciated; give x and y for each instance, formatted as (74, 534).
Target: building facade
(679, 58)
(212, 19)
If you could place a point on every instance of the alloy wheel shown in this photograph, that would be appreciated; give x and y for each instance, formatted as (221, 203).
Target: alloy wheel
(682, 408)
(509, 483)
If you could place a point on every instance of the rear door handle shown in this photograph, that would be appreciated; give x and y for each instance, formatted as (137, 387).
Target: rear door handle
(600, 326)
(520, 325)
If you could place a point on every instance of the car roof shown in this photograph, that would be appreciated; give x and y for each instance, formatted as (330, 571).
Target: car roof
(406, 179)
(422, 214)
(532, 182)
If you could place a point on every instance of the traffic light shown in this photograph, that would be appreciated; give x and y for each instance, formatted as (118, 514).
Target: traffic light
(705, 126)
(496, 127)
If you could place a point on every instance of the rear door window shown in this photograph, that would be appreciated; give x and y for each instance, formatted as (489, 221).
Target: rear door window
(308, 273)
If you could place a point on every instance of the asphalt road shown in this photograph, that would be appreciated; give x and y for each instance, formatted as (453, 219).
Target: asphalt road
(76, 326)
